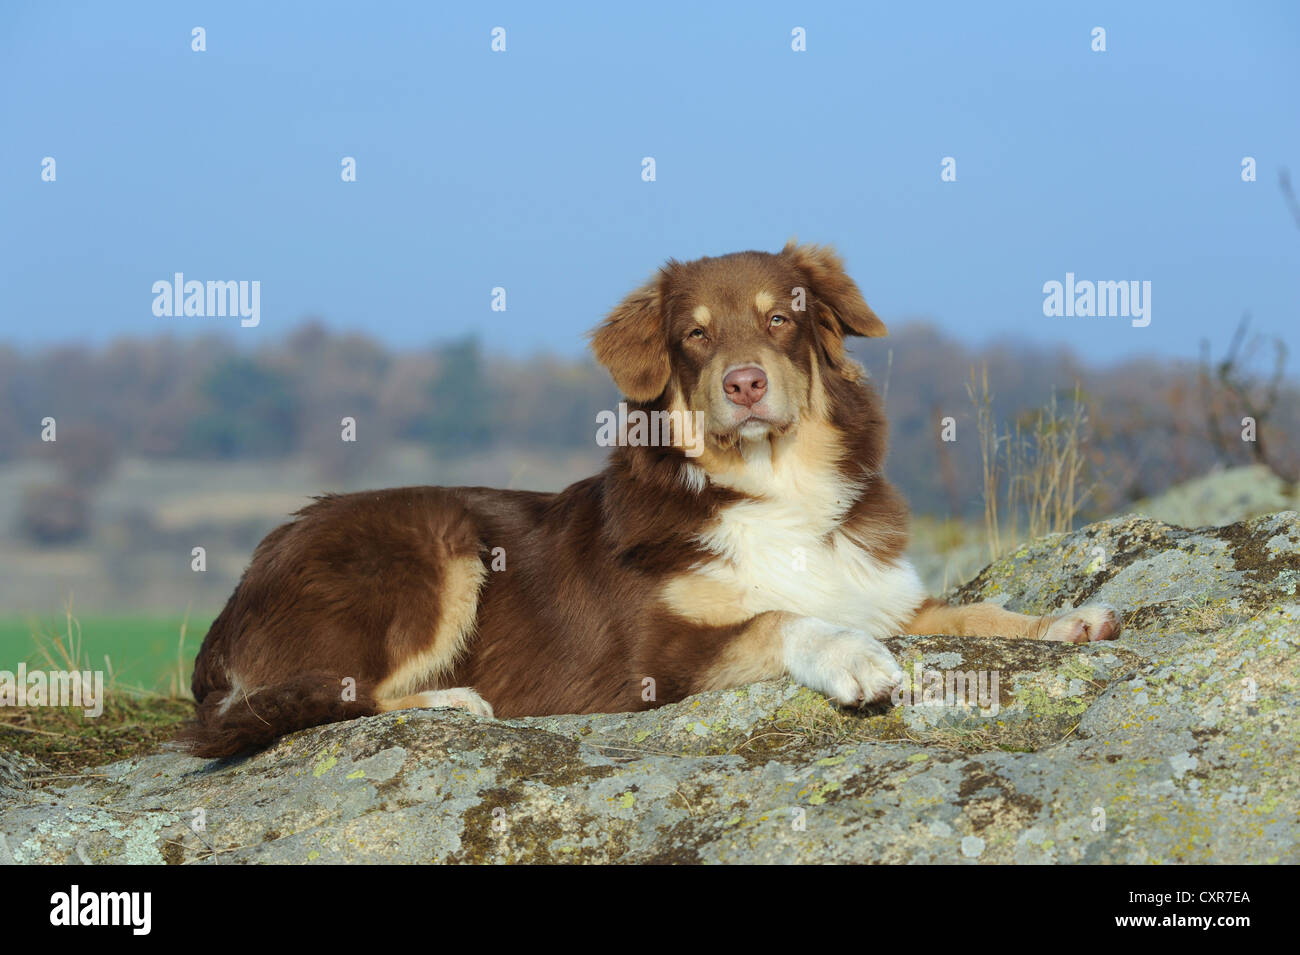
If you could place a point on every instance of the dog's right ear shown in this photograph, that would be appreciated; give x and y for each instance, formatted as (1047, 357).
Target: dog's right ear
(846, 310)
(632, 343)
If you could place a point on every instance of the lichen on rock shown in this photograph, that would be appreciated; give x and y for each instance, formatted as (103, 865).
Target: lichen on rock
(1177, 743)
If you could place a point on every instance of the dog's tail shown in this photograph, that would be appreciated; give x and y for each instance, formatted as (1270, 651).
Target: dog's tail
(231, 720)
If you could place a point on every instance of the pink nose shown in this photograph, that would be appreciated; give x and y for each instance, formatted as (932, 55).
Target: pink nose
(745, 386)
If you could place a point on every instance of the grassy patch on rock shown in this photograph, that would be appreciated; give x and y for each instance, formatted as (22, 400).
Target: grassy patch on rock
(66, 741)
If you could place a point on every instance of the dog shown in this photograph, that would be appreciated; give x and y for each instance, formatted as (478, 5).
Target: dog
(775, 547)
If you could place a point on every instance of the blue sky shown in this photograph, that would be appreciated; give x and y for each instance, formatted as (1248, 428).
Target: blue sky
(523, 169)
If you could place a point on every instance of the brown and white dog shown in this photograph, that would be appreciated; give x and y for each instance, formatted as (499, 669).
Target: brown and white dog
(776, 550)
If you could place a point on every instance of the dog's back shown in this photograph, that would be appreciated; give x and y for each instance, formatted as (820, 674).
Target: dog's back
(543, 603)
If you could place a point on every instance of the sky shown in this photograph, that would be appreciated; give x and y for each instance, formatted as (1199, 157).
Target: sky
(523, 169)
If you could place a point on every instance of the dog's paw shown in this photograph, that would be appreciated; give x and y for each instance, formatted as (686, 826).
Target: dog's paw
(1087, 624)
(460, 698)
(847, 665)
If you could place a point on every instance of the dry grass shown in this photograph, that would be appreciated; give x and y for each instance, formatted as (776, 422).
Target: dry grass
(1033, 473)
(66, 651)
(1201, 614)
(812, 722)
(134, 720)
(66, 741)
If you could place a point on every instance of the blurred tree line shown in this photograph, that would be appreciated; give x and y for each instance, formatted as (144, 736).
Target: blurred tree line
(1152, 423)
(205, 398)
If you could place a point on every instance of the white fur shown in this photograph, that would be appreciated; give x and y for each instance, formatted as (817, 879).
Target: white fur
(783, 550)
(459, 698)
(1093, 622)
(694, 477)
(845, 664)
(237, 693)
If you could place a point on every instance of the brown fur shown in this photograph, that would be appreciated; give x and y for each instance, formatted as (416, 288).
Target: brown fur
(976, 620)
(600, 606)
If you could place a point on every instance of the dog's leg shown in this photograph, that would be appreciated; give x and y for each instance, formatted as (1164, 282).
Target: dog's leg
(847, 665)
(426, 660)
(460, 698)
(1093, 622)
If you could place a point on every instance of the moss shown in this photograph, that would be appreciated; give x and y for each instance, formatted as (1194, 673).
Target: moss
(1248, 543)
(817, 795)
(1033, 714)
(324, 766)
(65, 740)
(538, 834)
(173, 853)
(1041, 704)
(987, 798)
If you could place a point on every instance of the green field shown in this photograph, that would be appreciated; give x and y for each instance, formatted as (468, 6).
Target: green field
(152, 654)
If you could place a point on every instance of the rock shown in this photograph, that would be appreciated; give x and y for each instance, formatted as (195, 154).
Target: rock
(15, 770)
(1221, 497)
(1170, 581)
(1177, 743)
(945, 552)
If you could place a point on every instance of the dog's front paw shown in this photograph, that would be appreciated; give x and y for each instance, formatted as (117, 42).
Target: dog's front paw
(1087, 624)
(847, 665)
(459, 698)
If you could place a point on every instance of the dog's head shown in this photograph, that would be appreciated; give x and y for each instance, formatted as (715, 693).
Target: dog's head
(752, 342)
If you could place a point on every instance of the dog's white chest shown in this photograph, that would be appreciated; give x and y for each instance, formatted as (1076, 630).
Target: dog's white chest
(781, 548)
(770, 555)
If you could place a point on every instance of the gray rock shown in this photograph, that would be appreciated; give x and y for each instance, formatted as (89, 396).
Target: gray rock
(15, 770)
(1222, 497)
(1177, 743)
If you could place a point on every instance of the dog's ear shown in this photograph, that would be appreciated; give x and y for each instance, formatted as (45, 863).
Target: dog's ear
(844, 310)
(632, 343)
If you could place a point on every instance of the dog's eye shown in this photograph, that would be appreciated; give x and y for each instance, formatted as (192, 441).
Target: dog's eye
(696, 333)
(778, 320)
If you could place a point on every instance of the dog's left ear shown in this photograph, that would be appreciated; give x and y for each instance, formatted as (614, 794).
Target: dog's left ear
(830, 285)
(632, 343)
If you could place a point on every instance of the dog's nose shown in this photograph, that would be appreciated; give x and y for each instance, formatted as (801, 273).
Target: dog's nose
(745, 386)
